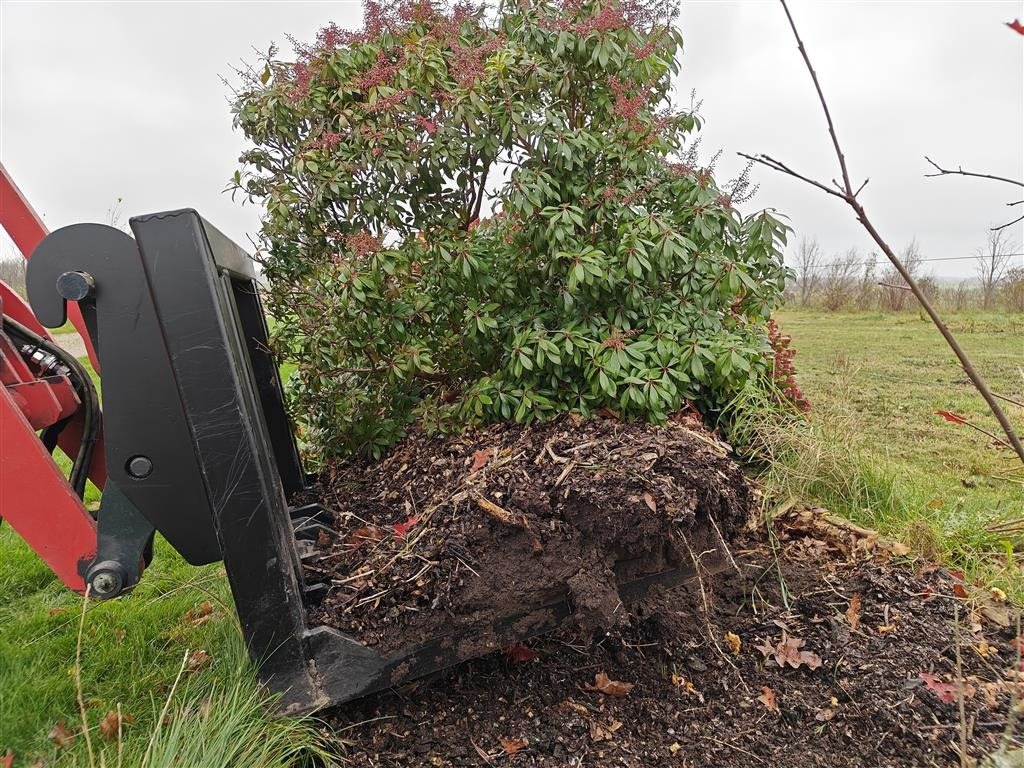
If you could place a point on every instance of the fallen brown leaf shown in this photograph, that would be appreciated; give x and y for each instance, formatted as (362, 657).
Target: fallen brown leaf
(853, 612)
(511, 746)
(610, 687)
(367, 534)
(520, 653)
(199, 615)
(599, 732)
(767, 698)
(112, 722)
(734, 643)
(198, 659)
(480, 459)
(61, 735)
(824, 715)
(650, 502)
(787, 651)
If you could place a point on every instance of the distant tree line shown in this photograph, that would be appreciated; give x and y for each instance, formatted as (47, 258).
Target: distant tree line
(854, 280)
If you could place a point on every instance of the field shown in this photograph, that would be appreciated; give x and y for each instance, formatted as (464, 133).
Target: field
(883, 457)
(873, 450)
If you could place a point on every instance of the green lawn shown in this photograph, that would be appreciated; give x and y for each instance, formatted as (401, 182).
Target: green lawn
(876, 381)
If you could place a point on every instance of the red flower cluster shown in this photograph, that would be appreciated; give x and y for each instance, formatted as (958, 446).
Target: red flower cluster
(627, 107)
(382, 71)
(328, 140)
(362, 243)
(426, 124)
(303, 74)
(783, 370)
(387, 102)
(469, 62)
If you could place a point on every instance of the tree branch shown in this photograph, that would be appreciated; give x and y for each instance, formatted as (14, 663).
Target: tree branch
(849, 196)
(961, 172)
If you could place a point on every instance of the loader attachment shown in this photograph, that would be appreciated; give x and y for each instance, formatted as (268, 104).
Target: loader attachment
(199, 447)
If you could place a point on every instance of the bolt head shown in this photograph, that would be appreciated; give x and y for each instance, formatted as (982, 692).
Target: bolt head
(139, 467)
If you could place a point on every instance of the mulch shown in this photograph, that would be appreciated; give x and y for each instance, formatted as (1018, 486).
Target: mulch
(707, 685)
(819, 644)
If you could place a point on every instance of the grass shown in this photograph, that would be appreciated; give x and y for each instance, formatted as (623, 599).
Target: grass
(875, 451)
(132, 650)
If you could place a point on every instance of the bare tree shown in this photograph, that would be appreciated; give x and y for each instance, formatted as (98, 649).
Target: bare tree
(993, 260)
(12, 272)
(808, 269)
(867, 287)
(960, 295)
(895, 289)
(839, 282)
(1013, 289)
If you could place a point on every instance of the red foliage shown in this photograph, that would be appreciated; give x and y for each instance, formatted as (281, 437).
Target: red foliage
(784, 372)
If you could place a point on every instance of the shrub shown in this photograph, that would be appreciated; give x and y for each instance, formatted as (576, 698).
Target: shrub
(475, 215)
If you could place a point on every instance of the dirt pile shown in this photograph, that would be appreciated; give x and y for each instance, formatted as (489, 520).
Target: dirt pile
(452, 533)
(818, 651)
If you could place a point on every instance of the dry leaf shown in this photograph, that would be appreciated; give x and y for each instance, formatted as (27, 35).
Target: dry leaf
(199, 615)
(945, 692)
(112, 722)
(610, 687)
(600, 732)
(853, 612)
(511, 746)
(367, 534)
(787, 651)
(480, 459)
(520, 653)
(734, 643)
(767, 698)
(198, 659)
(61, 736)
(997, 594)
(824, 715)
(649, 501)
(401, 529)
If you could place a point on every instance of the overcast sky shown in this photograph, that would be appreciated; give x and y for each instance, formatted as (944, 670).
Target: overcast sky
(100, 101)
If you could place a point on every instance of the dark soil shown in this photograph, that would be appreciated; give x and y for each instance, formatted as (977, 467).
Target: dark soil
(707, 689)
(449, 534)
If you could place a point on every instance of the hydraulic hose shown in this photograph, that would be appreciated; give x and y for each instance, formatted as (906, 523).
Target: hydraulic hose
(86, 391)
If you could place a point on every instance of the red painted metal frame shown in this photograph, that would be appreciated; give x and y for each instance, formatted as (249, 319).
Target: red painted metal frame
(35, 498)
(37, 501)
(27, 230)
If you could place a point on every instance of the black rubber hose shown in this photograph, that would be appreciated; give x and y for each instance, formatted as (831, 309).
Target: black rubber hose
(86, 391)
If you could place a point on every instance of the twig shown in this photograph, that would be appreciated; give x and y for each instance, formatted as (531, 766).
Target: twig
(78, 678)
(960, 685)
(893, 285)
(163, 712)
(846, 193)
(961, 172)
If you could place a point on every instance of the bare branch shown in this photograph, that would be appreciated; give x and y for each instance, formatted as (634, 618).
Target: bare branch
(850, 198)
(1008, 224)
(961, 172)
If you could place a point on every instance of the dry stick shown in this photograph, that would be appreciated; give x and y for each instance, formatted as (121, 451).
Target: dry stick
(960, 686)
(846, 193)
(78, 677)
(163, 713)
